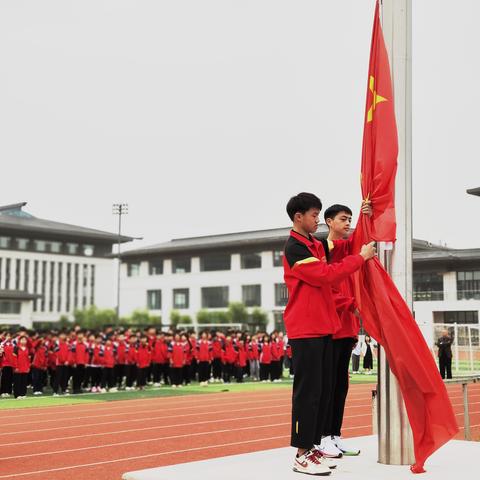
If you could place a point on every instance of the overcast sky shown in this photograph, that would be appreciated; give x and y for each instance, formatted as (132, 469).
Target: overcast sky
(206, 116)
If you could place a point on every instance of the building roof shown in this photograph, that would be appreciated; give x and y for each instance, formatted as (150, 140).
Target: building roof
(275, 236)
(18, 295)
(14, 218)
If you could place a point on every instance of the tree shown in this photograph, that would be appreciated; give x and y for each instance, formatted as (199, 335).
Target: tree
(142, 317)
(93, 317)
(176, 318)
(259, 318)
(237, 313)
(216, 316)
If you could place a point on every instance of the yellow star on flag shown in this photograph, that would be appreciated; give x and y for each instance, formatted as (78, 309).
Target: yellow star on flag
(376, 99)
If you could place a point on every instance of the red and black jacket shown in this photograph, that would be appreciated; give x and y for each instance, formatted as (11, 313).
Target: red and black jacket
(311, 310)
(204, 351)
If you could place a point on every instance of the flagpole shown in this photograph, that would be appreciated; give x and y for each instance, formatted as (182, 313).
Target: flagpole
(395, 445)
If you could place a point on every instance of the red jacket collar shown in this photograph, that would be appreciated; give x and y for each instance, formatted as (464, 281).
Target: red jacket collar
(309, 242)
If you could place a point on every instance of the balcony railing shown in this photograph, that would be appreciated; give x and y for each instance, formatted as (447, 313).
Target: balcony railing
(468, 294)
(431, 295)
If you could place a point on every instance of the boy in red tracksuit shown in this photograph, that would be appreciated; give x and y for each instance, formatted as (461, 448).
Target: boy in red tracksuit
(131, 364)
(8, 365)
(62, 367)
(187, 367)
(121, 360)
(39, 366)
(204, 358)
(157, 359)
(144, 359)
(97, 364)
(228, 359)
(108, 364)
(22, 368)
(217, 351)
(241, 361)
(310, 320)
(80, 358)
(177, 356)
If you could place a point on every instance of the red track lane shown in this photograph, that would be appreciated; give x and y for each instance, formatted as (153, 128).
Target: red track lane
(99, 441)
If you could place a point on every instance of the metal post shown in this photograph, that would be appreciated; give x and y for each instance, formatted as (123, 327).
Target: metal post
(119, 209)
(395, 446)
(455, 345)
(466, 413)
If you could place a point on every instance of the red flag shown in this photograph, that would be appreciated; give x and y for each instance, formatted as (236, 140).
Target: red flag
(385, 314)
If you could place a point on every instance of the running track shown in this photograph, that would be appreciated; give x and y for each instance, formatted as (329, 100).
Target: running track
(101, 441)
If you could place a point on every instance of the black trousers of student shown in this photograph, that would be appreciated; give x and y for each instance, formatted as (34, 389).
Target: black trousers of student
(119, 373)
(156, 372)
(61, 378)
(341, 352)
(355, 362)
(274, 370)
(96, 377)
(445, 366)
(38, 379)
(186, 374)
(228, 372)
(20, 381)
(312, 389)
(52, 373)
(239, 374)
(217, 368)
(176, 375)
(6, 383)
(193, 370)
(78, 376)
(142, 375)
(165, 373)
(131, 375)
(264, 371)
(203, 371)
(108, 377)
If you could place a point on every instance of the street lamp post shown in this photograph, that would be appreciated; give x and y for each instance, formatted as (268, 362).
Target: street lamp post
(119, 209)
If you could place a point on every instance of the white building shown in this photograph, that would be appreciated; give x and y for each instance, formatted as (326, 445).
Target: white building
(209, 272)
(49, 269)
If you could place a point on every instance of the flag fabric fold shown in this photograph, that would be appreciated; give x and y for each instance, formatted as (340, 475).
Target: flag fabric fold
(385, 314)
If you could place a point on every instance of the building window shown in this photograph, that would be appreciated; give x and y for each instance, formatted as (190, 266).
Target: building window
(75, 286)
(36, 303)
(155, 267)
(456, 317)
(7, 273)
(281, 295)
(252, 295)
(92, 285)
(52, 286)
(22, 243)
(10, 307)
(40, 245)
(4, 242)
(278, 258)
(214, 297)
(88, 250)
(181, 265)
(55, 247)
(44, 285)
(59, 287)
(181, 298)
(26, 274)
(468, 285)
(278, 323)
(216, 261)
(133, 269)
(84, 285)
(154, 299)
(69, 273)
(427, 286)
(72, 248)
(251, 260)
(17, 273)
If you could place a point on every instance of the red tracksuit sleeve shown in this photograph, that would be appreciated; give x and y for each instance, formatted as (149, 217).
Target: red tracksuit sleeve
(317, 273)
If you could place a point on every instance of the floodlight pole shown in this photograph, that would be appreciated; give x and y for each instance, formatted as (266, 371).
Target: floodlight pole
(119, 209)
(395, 444)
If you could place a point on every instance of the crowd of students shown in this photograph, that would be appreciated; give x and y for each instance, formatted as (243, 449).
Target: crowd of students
(77, 360)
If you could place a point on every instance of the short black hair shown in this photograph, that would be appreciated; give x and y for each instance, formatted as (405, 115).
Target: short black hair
(334, 210)
(302, 203)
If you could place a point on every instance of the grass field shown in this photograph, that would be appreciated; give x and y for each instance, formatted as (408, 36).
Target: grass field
(151, 392)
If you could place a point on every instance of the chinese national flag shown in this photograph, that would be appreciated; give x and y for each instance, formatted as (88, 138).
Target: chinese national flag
(384, 312)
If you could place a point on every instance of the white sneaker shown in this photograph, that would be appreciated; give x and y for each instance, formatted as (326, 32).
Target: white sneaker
(325, 460)
(328, 448)
(114, 389)
(156, 384)
(309, 463)
(56, 394)
(37, 393)
(345, 448)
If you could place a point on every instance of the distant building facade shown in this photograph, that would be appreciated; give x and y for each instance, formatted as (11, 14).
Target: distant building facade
(49, 269)
(209, 272)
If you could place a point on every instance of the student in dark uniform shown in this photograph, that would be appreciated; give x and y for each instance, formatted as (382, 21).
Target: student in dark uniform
(444, 344)
(311, 320)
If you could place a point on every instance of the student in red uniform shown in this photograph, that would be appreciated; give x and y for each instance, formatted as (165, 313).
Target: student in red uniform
(193, 372)
(8, 365)
(275, 363)
(265, 358)
(144, 359)
(80, 359)
(187, 367)
(62, 368)
(241, 361)
(121, 361)
(176, 351)
(52, 359)
(97, 364)
(39, 366)
(131, 365)
(204, 358)
(228, 359)
(158, 358)
(217, 349)
(165, 339)
(253, 356)
(108, 364)
(311, 320)
(22, 368)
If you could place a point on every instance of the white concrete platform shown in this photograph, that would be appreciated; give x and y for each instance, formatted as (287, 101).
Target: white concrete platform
(457, 459)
